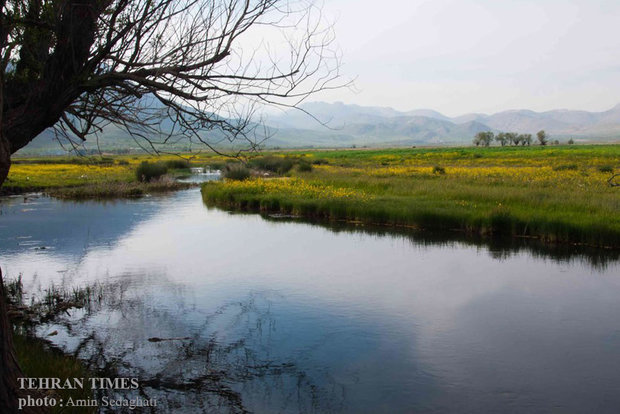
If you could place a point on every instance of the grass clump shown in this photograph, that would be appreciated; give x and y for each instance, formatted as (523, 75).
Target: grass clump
(68, 160)
(117, 190)
(177, 164)
(271, 163)
(215, 165)
(304, 167)
(438, 170)
(38, 359)
(566, 167)
(237, 172)
(147, 172)
(320, 161)
(606, 169)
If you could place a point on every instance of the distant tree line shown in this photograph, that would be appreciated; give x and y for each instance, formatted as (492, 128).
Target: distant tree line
(485, 138)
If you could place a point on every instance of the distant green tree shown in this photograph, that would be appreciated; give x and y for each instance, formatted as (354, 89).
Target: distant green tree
(571, 142)
(542, 137)
(484, 138)
(525, 139)
(501, 138)
(513, 138)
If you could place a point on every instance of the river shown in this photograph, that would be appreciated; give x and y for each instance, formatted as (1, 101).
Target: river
(265, 315)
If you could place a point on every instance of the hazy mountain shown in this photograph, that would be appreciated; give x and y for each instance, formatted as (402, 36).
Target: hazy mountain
(342, 125)
(428, 113)
(378, 126)
(469, 118)
(414, 129)
(559, 122)
(610, 117)
(524, 121)
(319, 115)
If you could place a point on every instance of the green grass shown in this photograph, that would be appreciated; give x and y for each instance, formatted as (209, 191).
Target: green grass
(38, 359)
(103, 191)
(278, 165)
(534, 155)
(96, 177)
(147, 172)
(525, 192)
(236, 172)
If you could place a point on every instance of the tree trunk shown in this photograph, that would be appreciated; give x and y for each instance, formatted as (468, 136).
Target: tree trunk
(5, 159)
(9, 368)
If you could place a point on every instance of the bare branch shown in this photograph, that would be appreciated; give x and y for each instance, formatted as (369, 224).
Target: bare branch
(164, 71)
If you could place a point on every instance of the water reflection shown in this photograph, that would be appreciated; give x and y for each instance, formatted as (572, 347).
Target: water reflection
(294, 317)
(228, 355)
(498, 248)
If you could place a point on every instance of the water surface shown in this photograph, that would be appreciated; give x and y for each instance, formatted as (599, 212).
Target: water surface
(286, 316)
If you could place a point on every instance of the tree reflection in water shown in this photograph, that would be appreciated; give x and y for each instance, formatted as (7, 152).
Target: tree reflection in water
(224, 362)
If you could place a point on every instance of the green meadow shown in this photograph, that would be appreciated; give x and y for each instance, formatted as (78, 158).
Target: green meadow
(558, 194)
(102, 177)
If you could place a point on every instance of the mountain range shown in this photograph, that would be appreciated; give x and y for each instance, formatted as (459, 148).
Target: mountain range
(344, 125)
(387, 126)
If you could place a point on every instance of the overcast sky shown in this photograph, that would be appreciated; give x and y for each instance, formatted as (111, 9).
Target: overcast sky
(459, 56)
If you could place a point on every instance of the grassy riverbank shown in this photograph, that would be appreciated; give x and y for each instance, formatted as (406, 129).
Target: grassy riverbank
(556, 194)
(37, 357)
(97, 177)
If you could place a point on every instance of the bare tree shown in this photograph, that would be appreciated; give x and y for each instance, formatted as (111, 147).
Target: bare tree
(162, 70)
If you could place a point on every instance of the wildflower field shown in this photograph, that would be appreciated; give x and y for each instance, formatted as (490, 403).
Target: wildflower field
(95, 177)
(556, 194)
(46, 175)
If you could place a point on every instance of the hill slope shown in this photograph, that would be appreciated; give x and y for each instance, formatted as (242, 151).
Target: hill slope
(342, 125)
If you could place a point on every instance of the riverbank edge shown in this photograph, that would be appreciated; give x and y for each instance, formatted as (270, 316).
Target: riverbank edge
(40, 358)
(355, 212)
(100, 191)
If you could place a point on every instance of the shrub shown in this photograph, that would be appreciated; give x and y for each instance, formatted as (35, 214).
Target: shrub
(304, 167)
(320, 161)
(236, 172)
(438, 170)
(105, 161)
(606, 169)
(215, 165)
(279, 165)
(147, 172)
(565, 167)
(177, 164)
